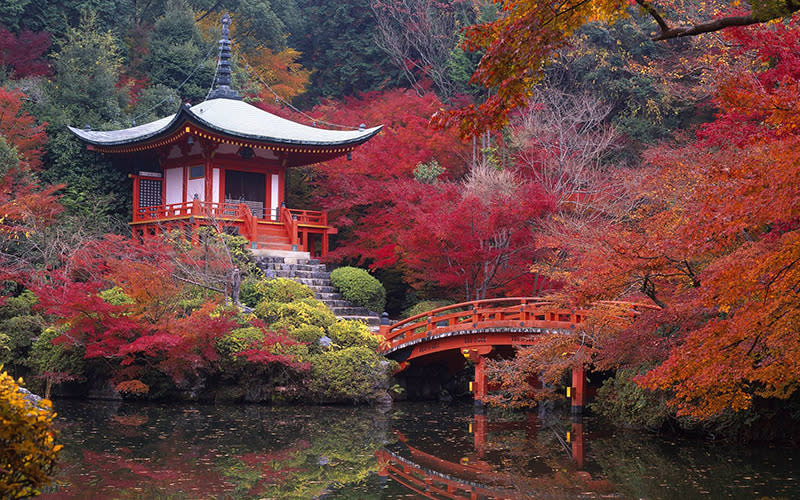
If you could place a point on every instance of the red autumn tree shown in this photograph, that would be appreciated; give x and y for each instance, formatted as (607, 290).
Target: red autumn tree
(122, 302)
(25, 207)
(361, 192)
(528, 33)
(24, 54)
(712, 238)
(405, 201)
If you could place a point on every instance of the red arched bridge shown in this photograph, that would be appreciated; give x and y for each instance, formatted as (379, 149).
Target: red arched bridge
(477, 328)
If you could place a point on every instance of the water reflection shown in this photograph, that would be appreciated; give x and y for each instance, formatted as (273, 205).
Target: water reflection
(132, 451)
(413, 451)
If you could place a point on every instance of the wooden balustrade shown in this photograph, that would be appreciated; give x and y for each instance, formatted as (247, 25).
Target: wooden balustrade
(522, 312)
(300, 225)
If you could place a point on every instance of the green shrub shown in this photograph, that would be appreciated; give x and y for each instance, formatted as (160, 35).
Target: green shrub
(355, 374)
(254, 292)
(622, 401)
(360, 288)
(239, 340)
(115, 296)
(347, 333)
(250, 293)
(425, 306)
(293, 314)
(285, 290)
(56, 363)
(303, 333)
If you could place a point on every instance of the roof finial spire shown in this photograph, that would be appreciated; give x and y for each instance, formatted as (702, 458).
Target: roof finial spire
(223, 80)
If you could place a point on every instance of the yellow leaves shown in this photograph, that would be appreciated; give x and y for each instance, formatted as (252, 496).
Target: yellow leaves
(27, 445)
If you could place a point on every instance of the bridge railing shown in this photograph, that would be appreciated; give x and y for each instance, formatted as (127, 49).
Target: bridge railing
(521, 311)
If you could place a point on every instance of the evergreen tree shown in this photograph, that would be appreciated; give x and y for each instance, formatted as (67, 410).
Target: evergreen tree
(338, 44)
(84, 92)
(177, 50)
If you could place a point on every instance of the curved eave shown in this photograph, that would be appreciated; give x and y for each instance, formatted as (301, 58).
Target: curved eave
(154, 132)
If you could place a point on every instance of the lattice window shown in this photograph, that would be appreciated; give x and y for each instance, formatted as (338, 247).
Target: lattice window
(149, 192)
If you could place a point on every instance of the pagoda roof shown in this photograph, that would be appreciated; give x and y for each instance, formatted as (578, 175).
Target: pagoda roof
(231, 118)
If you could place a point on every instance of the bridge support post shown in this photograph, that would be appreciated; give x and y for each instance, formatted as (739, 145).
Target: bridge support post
(577, 441)
(578, 390)
(480, 433)
(480, 386)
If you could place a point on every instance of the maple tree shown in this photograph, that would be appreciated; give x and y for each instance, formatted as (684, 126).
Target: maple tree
(119, 300)
(24, 54)
(407, 200)
(26, 208)
(528, 33)
(712, 239)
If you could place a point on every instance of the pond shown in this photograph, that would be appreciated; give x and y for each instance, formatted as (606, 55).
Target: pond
(413, 450)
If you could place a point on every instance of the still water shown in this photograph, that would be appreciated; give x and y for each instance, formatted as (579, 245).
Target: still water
(414, 450)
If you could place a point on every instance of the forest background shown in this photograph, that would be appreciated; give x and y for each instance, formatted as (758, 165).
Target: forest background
(601, 150)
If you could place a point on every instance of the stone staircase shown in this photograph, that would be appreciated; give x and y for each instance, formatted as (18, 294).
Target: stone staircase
(299, 267)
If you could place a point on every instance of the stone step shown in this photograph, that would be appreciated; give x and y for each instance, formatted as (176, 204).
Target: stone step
(311, 282)
(372, 321)
(283, 273)
(351, 310)
(297, 267)
(319, 290)
(284, 256)
(323, 296)
(336, 303)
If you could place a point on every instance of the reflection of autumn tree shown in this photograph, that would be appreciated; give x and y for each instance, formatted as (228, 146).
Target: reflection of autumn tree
(244, 452)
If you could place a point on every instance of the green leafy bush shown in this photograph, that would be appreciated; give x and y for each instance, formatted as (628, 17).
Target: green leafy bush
(425, 306)
(359, 287)
(293, 314)
(304, 333)
(239, 340)
(356, 374)
(347, 333)
(282, 290)
(622, 401)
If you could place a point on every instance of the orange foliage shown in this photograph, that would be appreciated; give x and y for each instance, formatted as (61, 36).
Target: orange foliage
(133, 387)
(280, 71)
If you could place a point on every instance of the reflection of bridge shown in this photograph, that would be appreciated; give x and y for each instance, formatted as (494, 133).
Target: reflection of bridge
(432, 477)
(477, 328)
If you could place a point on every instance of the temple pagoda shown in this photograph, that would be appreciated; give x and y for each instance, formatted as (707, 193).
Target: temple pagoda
(223, 162)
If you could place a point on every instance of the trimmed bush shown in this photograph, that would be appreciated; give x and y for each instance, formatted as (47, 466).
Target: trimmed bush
(425, 306)
(348, 333)
(27, 448)
(360, 288)
(254, 292)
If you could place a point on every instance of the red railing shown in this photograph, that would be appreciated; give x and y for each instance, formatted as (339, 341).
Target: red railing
(310, 217)
(517, 311)
(190, 208)
(222, 210)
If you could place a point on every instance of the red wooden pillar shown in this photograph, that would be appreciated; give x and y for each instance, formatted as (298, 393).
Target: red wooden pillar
(480, 386)
(577, 443)
(578, 389)
(480, 433)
